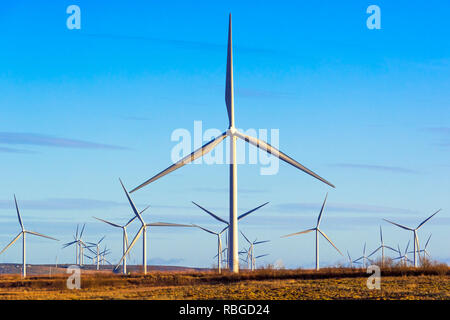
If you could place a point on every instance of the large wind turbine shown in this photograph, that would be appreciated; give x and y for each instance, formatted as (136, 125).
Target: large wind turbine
(143, 231)
(234, 134)
(381, 247)
(23, 234)
(416, 238)
(317, 230)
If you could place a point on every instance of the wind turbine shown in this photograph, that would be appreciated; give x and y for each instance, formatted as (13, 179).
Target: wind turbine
(403, 257)
(318, 231)
(381, 247)
(143, 231)
(97, 246)
(251, 250)
(234, 134)
(124, 236)
(23, 234)
(364, 257)
(350, 261)
(219, 245)
(416, 238)
(226, 222)
(424, 250)
(79, 245)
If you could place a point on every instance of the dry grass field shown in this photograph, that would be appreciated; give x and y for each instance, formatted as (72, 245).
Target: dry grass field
(431, 282)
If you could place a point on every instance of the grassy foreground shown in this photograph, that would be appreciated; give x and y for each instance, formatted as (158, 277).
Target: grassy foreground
(332, 283)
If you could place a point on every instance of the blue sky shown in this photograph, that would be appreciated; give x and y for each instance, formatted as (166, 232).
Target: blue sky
(368, 110)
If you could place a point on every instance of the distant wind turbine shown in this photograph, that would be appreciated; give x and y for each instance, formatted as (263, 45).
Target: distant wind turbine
(124, 236)
(23, 234)
(97, 253)
(143, 231)
(416, 238)
(364, 258)
(251, 251)
(226, 222)
(424, 251)
(317, 230)
(219, 245)
(234, 134)
(403, 257)
(381, 247)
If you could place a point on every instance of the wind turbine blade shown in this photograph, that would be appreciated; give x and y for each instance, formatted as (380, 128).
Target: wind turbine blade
(129, 221)
(18, 213)
(390, 248)
(224, 230)
(136, 237)
(76, 234)
(325, 236)
(426, 244)
(277, 153)
(248, 212)
(259, 242)
(101, 240)
(321, 211)
(68, 244)
(207, 230)
(364, 250)
(210, 213)
(375, 251)
(168, 224)
(301, 232)
(136, 212)
(110, 223)
(12, 242)
(41, 235)
(229, 87)
(144, 209)
(260, 256)
(246, 238)
(189, 158)
(381, 236)
(423, 222)
(406, 250)
(82, 230)
(398, 225)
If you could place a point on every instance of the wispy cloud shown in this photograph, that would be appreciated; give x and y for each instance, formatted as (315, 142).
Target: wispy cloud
(77, 204)
(61, 204)
(34, 139)
(443, 133)
(375, 167)
(341, 207)
(11, 150)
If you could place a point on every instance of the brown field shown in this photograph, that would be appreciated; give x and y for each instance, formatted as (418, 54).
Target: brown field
(431, 282)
